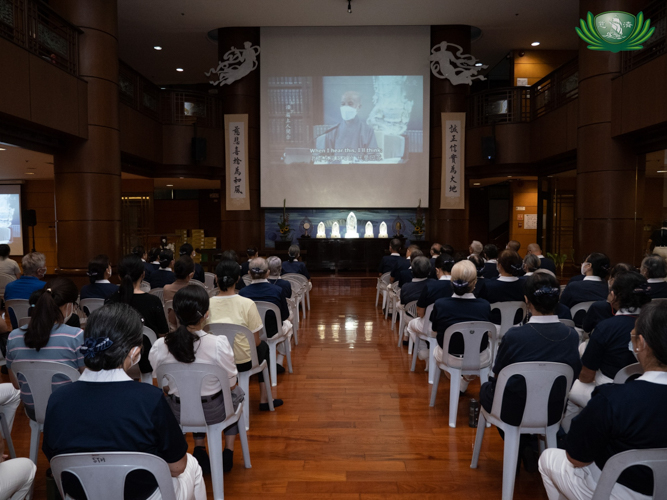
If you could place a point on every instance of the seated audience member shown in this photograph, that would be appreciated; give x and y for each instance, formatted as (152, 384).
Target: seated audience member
(513, 245)
(16, 475)
(619, 417)
(73, 320)
(543, 338)
(606, 351)
(99, 272)
(140, 251)
(654, 269)
(292, 265)
(421, 267)
(530, 264)
(405, 276)
(593, 287)
(275, 268)
(154, 259)
(462, 306)
(480, 286)
(189, 343)
(561, 311)
(229, 307)
(164, 275)
(433, 290)
(186, 250)
(34, 269)
(436, 250)
(47, 337)
(7, 265)
(231, 255)
(490, 270)
(476, 248)
(507, 287)
(251, 253)
(545, 262)
(404, 264)
(131, 271)
(602, 309)
(389, 262)
(114, 413)
(448, 249)
(184, 270)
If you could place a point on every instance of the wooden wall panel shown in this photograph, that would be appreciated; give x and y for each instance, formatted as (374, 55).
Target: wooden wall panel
(536, 64)
(176, 145)
(512, 144)
(554, 133)
(175, 214)
(524, 194)
(140, 135)
(38, 195)
(14, 80)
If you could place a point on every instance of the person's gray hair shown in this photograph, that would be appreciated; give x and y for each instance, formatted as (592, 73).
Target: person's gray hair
(258, 268)
(293, 252)
(275, 265)
(531, 263)
(476, 247)
(421, 267)
(32, 262)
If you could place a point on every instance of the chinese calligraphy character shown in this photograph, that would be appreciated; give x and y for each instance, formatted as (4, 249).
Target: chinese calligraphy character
(453, 158)
(453, 147)
(237, 131)
(237, 180)
(453, 180)
(236, 141)
(237, 190)
(453, 138)
(452, 189)
(236, 161)
(453, 129)
(236, 151)
(237, 171)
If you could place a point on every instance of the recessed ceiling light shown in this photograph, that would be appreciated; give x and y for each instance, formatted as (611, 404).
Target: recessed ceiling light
(170, 185)
(162, 88)
(535, 44)
(476, 183)
(509, 176)
(3, 149)
(662, 171)
(30, 173)
(181, 177)
(478, 64)
(157, 47)
(180, 70)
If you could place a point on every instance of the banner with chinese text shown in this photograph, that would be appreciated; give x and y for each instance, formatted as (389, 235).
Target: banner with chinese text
(236, 148)
(452, 194)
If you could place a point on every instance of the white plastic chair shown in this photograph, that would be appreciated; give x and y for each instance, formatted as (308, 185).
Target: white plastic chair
(473, 362)
(39, 376)
(393, 291)
(294, 313)
(405, 314)
(540, 378)
(7, 435)
(246, 279)
(90, 305)
(189, 378)
(281, 336)
(133, 372)
(196, 283)
(431, 341)
(102, 475)
(298, 291)
(209, 280)
(158, 292)
(24, 321)
(655, 459)
(230, 331)
(17, 309)
(213, 292)
(581, 306)
(145, 286)
(4, 279)
(508, 312)
(567, 322)
(167, 306)
(383, 283)
(627, 372)
(304, 281)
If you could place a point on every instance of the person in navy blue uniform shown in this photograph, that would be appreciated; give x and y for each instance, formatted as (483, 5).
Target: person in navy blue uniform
(99, 272)
(388, 262)
(275, 267)
(654, 269)
(530, 265)
(602, 309)
(480, 286)
(618, 418)
(436, 250)
(164, 275)
(421, 267)
(508, 286)
(233, 256)
(490, 270)
(405, 276)
(543, 338)
(293, 265)
(592, 287)
(153, 260)
(251, 252)
(187, 251)
(140, 251)
(403, 264)
(545, 262)
(607, 349)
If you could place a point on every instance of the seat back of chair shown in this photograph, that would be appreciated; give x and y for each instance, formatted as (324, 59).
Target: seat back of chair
(655, 459)
(209, 280)
(24, 321)
(196, 283)
(386, 278)
(296, 284)
(263, 308)
(567, 322)
(213, 292)
(102, 475)
(188, 379)
(17, 309)
(428, 327)
(90, 305)
(145, 286)
(473, 334)
(300, 277)
(230, 331)
(167, 306)
(39, 376)
(629, 372)
(247, 279)
(581, 306)
(158, 292)
(540, 377)
(508, 311)
(411, 309)
(4, 279)
(150, 334)
(659, 299)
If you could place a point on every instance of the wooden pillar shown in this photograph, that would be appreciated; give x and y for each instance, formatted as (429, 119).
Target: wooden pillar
(87, 174)
(244, 228)
(446, 226)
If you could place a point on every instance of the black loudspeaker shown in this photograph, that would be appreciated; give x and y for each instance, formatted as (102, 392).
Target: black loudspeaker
(30, 218)
(489, 148)
(198, 149)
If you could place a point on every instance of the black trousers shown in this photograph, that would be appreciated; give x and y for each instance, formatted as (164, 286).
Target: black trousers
(262, 354)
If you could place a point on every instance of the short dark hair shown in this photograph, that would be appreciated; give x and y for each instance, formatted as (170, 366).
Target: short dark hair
(652, 325)
(122, 324)
(186, 249)
(184, 266)
(599, 264)
(153, 254)
(227, 273)
(4, 251)
(97, 267)
(166, 256)
(436, 248)
(444, 262)
(130, 270)
(229, 255)
(447, 249)
(396, 245)
(619, 268)
(490, 251)
(513, 245)
(542, 291)
(655, 266)
(251, 251)
(631, 291)
(421, 267)
(511, 262)
(139, 250)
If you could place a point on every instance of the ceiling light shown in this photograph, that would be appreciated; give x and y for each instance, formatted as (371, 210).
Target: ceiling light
(476, 183)
(478, 64)
(157, 47)
(535, 44)
(3, 149)
(181, 177)
(163, 88)
(349, 6)
(662, 171)
(509, 176)
(30, 173)
(180, 70)
(170, 185)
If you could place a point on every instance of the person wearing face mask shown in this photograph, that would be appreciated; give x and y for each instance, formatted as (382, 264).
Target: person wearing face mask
(99, 272)
(592, 287)
(352, 132)
(47, 337)
(113, 413)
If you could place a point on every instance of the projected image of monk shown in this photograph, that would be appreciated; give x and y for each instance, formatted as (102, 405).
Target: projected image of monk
(351, 135)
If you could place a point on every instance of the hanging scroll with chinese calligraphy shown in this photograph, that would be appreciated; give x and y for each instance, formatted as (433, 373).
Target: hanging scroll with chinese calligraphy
(236, 147)
(452, 195)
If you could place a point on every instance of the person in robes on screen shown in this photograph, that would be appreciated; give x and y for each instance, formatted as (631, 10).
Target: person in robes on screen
(351, 132)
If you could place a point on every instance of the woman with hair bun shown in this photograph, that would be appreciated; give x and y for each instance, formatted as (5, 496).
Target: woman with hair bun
(543, 338)
(508, 287)
(618, 418)
(99, 273)
(654, 269)
(592, 287)
(164, 275)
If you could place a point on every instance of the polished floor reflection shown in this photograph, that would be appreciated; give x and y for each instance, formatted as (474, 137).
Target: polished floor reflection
(356, 423)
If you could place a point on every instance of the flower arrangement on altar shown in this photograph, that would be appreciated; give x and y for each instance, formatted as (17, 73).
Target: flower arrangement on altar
(283, 224)
(419, 222)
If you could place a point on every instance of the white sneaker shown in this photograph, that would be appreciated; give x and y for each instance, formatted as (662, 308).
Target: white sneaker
(422, 354)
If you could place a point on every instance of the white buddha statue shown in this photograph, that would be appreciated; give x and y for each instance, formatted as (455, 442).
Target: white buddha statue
(335, 231)
(383, 230)
(369, 230)
(351, 226)
(320, 231)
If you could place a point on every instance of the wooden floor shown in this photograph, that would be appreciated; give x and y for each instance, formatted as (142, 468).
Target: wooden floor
(356, 424)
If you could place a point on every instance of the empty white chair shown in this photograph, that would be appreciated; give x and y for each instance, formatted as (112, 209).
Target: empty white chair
(39, 376)
(188, 378)
(281, 337)
(304, 281)
(655, 459)
(629, 372)
(90, 305)
(431, 341)
(209, 280)
(393, 292)
(145, 286)
(230, 331)
(473, 362)
(102, 475)
(158, 292)
(540, 378)
(383, 283)
(17, 309)
(298, 291)
(4, 279)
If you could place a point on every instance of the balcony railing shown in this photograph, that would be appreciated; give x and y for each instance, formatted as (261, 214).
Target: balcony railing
(190, 107)
(36, 27)
(138, 92)
(654, 46)
(556, 89)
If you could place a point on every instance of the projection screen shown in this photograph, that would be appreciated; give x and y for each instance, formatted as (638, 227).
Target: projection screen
(344, 116)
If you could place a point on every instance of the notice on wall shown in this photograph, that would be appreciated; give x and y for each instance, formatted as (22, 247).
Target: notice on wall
(530, 221)
(236, 148)
(452, 194)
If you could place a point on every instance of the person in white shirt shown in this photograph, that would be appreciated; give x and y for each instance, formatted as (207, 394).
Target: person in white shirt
(7, 265)
(190, 344)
